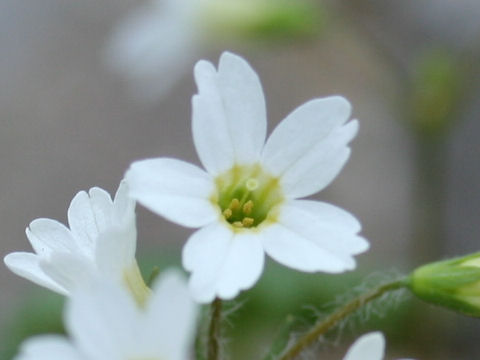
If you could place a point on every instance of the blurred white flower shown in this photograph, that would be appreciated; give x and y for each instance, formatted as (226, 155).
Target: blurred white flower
(101, 239)
(370, 346)
(246, 202)
(105, 324)
(154, 45)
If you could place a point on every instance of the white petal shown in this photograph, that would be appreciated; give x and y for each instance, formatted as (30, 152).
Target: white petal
(330, 227)
(170, 315)
(103, 320)
(69, 270)
(328, 231)
(123, 205)
(116, 250)
(313, 236)
(47, 236)
(296, 252)
(48, 347)
(229, 114)
(27, 266)
(174, 189)
(370, 346)
(310, 146)
(222, 262)
(88, 215)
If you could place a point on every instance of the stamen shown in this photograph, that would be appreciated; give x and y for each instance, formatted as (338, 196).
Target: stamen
(227, 213)
(247, 221)
(237, 224)
(234, 204)
(245, 195)
(247, 207)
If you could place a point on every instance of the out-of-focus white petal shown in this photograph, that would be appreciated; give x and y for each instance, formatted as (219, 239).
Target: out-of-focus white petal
(174, 189)
(27, 266)
(47, 236)
(170, 317)
(370, 346)
(48, 347)
(310, 146)
(69, 270)
(103, 321)
(229, 114)
(154, 46)
(89, 214)
(222, 262)
(115, 250)
(328, 226)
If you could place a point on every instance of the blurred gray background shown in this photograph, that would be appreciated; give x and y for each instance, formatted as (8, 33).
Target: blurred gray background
(67, 123)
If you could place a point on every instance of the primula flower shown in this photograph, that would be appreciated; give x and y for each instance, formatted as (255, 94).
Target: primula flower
(245, 203)
(101, 239)
(370, 346)
(105, 324)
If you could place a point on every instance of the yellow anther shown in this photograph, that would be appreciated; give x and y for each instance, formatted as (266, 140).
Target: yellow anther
(238, 224)
(227, 213)
(247, 222)
(234, 204)
(247, 207)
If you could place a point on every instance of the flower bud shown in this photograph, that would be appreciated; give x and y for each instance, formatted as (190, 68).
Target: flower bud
(453, 283)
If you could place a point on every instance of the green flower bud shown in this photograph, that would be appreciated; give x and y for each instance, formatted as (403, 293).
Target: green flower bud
(453, 283)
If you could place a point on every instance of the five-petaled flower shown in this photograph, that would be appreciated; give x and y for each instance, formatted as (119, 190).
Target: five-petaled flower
(104, 323)
(246, 202)
(101, 240)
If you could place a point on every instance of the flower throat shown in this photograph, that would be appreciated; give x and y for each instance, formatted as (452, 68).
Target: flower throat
(247, 195)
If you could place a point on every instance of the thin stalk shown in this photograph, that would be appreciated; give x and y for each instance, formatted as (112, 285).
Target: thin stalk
(213, 349)
(333, 319)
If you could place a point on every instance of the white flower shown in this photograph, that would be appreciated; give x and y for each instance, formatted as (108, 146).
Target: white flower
(105, 324)
(370, 346)
(101, 239)
(246, 201)
(154, 45)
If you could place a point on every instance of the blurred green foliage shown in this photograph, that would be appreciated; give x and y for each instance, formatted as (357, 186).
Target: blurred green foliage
(38, 313)
(437, 88)
(265, 19)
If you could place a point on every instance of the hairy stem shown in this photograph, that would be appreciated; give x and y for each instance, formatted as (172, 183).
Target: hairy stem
(324, 326)
(213, 350)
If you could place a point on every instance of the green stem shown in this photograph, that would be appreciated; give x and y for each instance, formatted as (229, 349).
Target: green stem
(213, 350)
(333, 319)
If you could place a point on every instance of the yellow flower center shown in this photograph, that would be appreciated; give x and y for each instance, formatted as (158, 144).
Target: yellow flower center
(247, 196)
